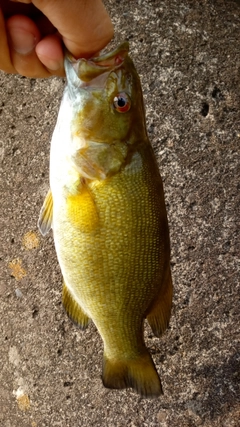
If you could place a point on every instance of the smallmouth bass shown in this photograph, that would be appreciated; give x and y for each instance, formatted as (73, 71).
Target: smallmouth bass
(107, 211)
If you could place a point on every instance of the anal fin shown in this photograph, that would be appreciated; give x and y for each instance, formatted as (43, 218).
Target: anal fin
(46, 213)
(73, 309)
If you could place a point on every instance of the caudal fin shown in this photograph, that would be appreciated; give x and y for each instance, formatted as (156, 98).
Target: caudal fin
(139, 373)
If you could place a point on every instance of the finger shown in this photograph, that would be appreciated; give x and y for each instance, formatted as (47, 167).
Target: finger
(50, 52)
(21, 1)
(86, 27)
(5, 58)
(23, 36)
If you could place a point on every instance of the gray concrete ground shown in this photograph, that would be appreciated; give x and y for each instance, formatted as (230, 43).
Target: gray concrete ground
(188, 54)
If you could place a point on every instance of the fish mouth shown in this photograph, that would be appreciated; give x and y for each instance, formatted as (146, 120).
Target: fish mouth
(115, 57)
(89, 70)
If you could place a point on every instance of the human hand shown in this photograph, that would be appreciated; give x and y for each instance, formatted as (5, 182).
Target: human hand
(32, 34)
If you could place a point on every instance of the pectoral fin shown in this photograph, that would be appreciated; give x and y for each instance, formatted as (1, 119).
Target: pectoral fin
(46, 213)
(73, 309)
(82, 210)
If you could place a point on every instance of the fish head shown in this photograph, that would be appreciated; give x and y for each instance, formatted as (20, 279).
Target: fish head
(106, 98)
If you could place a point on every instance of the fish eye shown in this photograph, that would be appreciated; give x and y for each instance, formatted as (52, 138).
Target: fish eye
(121, 102)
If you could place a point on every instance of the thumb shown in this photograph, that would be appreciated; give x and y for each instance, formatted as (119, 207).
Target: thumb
(84, 25)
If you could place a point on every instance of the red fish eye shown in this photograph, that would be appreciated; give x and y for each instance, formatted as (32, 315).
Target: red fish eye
(121, 102)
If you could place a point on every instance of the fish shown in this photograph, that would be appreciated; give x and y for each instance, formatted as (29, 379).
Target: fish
(107, 211)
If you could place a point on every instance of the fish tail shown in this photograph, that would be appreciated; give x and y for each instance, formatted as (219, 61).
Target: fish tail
(159, 314)
(138, 373)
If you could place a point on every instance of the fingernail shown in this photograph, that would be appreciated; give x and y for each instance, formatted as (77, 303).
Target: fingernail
(22, 41)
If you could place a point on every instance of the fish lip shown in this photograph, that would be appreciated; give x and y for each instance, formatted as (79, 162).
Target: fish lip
(123, 48)
(85, 70)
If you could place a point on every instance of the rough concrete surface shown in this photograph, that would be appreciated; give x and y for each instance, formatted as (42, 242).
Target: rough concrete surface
(188, 55)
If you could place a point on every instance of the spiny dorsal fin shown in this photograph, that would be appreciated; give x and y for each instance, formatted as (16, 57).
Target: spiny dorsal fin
(46, 213)
(73, 309)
